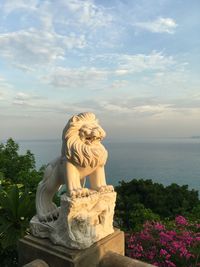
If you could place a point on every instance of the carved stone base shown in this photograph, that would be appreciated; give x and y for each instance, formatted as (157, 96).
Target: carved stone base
(31, 248)
(81, 222)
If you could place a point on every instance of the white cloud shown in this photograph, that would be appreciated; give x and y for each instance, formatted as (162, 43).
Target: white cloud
(142, 62)
(108, 106)
(23, 67)
(140, 107)
(31, 104)
(119, 84)
(156, 65)
(11, 5)
(27, 96)
(32, 47)
(160, 25)
(5, 89)
(88, 13)
(22, 96)
(75, 12)
(76, 78)
(123, 64)
(136, 107)
(195, 95)
(34, 104)
(153, 109)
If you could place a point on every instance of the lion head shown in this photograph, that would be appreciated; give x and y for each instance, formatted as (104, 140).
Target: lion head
(82, 138)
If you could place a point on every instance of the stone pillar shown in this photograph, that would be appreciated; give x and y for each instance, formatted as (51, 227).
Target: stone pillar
(31, 248)
(82, 221)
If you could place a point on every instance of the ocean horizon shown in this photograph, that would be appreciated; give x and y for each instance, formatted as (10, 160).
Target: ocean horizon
(164, 161)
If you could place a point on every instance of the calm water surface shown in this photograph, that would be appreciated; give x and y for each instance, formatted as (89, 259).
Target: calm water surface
(164, 161)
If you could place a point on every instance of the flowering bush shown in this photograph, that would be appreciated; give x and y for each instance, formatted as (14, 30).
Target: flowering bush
(174, 244)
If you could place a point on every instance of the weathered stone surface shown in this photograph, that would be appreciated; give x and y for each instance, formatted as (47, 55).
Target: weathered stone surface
(36, 263)
(112, 259)
(31, 248)
(81, 222)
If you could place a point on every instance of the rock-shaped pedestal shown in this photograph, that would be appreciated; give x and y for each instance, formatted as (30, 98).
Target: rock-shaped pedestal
(81, 222)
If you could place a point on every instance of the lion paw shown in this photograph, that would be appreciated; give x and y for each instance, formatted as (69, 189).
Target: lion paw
(92, 192)
(83, 192)
(110, 188)
(106, 188)
(80, 192)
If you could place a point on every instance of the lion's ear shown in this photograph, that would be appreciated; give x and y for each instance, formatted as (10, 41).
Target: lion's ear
(75, 119)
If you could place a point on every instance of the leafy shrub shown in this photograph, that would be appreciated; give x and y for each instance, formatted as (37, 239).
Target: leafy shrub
(174, 245)
(134, 217)
(18, 183)
(151, 200)
(16, 209)
(11, 163)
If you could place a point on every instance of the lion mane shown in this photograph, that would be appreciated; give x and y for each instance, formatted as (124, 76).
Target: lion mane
(79, 152)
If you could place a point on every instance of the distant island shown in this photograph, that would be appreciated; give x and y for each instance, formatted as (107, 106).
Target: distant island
(195, 137)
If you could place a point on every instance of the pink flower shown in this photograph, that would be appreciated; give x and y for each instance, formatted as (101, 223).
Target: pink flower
(158, 226)
(170, 264)
(180, 220)
(158, 244)
(165, 238)
(176, 245)
(145, 236)
(163, 252)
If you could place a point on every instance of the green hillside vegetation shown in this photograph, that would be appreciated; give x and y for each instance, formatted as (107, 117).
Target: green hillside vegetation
(141, 200)
(18, 183)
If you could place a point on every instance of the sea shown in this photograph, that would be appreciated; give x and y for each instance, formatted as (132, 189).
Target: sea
(164, 161)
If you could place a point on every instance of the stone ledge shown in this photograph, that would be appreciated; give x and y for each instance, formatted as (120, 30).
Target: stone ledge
(32, 248)
(37, 263)
(115, 260)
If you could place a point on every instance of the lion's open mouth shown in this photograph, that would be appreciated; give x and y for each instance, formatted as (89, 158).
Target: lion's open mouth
(91, 134)
(92, 139)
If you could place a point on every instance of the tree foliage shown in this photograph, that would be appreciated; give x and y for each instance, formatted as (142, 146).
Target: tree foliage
(18, 183)
(12, 164)
(18, 168)
(17, 207)
(151, 200)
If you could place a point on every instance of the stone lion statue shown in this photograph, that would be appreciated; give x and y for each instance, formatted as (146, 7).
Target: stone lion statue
(82, 155)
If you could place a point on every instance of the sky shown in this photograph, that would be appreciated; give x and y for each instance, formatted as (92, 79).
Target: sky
(134, 63)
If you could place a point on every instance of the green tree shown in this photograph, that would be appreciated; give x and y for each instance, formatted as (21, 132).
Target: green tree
(18, 168)
(18, 182)
(151, 200)
(11, 163)
(179, 200)
(134, 218)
